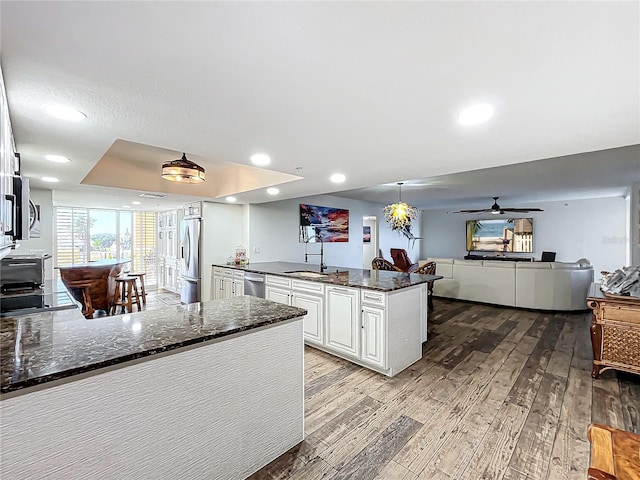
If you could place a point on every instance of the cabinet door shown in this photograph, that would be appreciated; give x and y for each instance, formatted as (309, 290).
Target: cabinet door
(238, 288)
(342, 320)
(162, 234)
(373, 336)
(168, 271)
(277, 295)
(172, 243)
(161, 276)
(228, 288)
(313, 320)
(218, 287)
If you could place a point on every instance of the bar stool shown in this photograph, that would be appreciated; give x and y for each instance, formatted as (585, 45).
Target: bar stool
(143, 292)
(126, 291)
(83, 286)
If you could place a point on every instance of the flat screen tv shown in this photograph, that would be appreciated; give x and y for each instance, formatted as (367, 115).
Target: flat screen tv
(500, 235)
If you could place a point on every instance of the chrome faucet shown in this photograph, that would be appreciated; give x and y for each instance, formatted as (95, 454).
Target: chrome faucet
(323, 267)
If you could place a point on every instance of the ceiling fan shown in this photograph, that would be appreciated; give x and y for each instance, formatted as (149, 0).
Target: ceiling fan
(498, 210)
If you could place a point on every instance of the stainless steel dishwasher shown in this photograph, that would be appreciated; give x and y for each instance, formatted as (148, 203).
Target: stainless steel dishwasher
(254, 284)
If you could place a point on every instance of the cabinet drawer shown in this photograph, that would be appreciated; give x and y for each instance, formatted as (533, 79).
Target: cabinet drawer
(227, 272)
(238, 274)
(371, 297)
(621, 314)
(314, 287)
(279, 281)
(218, 271)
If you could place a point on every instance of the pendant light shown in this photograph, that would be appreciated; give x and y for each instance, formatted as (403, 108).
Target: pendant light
(399, 215)
(183, 171)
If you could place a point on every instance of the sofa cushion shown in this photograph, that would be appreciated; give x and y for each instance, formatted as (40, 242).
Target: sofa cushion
(499, 263)
(533, 265)
(486, 281)
(565, 266)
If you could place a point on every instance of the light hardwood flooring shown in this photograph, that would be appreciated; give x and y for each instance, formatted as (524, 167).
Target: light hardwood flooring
(499, 394)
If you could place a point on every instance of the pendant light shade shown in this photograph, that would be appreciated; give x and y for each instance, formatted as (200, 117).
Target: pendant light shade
(399, 215)
(183, 171)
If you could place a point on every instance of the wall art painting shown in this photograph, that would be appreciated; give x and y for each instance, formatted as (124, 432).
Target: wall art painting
(366, 234)
(323, 223)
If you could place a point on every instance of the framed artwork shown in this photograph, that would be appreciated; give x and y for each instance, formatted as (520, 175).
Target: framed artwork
(326, 223)
(366, 234)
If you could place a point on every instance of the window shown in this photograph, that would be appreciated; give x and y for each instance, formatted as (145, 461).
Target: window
(87, 234)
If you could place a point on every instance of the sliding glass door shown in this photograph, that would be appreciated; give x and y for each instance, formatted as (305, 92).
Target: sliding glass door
(89, 234)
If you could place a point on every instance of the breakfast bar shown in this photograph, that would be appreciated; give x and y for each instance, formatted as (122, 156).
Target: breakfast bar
(100, 275)
(209, 389)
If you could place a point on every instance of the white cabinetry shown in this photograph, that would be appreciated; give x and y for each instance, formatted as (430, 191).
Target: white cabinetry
(373, 336)
(343, 320)
(277, 289)
(227, 283)
(238, 284)
(310, 296)
(7, 170)
(379, 330)
(169, 260)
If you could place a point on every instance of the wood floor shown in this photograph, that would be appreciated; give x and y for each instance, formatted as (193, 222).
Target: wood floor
(499, 394)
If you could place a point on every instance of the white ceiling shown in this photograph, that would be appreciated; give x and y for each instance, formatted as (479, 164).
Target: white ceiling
(371, 90)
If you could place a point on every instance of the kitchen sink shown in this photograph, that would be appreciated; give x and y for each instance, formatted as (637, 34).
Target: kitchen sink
(307, 274)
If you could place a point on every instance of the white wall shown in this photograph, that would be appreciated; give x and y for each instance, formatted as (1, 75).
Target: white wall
(44, 198)
(594, 228)
(273, 227)
(634, 224)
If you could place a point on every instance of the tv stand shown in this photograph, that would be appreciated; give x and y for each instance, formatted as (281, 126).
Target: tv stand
(495, 257)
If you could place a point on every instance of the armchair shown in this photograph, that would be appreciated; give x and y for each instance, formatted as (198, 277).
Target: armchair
(401, 260)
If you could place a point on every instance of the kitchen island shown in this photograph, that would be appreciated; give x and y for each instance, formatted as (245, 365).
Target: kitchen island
(206, 390)
(375, 318)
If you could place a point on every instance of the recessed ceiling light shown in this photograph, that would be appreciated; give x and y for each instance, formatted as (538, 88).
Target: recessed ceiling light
(260, 159)
(273, 191)
(337, 178)
(57, 158)
(126, 206)
(50, 179)
(475, 114)
(135, 202)
(66, 113)
(231, 199)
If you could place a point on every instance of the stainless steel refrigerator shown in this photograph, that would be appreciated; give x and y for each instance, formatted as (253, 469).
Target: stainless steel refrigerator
(190, 229)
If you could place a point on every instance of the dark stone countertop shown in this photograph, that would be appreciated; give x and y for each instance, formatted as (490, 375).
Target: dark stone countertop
(381, 280)
(43, 347)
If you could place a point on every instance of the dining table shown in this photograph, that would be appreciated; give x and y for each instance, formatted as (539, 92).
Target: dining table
(100, 273)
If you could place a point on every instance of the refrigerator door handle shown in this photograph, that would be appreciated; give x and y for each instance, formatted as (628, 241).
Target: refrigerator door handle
(186, 243)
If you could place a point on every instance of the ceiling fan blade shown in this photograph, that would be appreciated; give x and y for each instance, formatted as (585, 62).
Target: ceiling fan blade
(522, 210)
(482, 210)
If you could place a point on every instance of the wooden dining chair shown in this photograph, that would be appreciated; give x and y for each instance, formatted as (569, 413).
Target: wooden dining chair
(380, 263)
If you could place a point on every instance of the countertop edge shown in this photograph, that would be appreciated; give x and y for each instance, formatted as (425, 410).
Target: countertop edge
(324, 281)
(19, 385)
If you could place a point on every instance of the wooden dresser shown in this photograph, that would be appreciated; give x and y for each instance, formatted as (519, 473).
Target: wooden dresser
(615, 332)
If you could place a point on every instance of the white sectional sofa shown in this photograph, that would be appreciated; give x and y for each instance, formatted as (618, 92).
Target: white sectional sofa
(537, 285)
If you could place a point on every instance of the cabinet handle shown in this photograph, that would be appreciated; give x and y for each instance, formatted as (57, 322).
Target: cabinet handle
(371, 297)
(343, 290)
